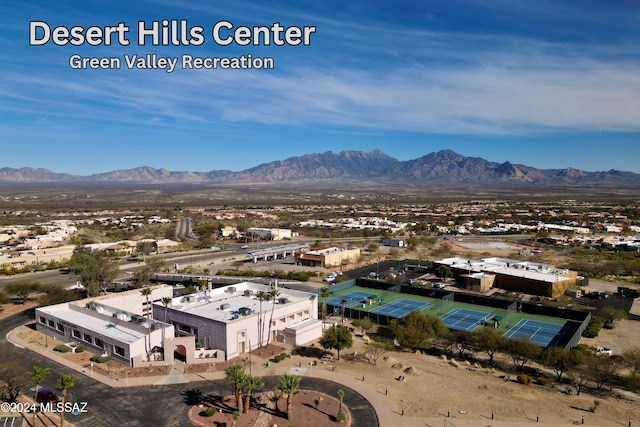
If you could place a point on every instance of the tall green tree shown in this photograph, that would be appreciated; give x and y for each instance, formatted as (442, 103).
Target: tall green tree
(146, 292)
(64, 383)
(94, 269)
(337, 337)
(632, 362)
(143, 277)
(4, 298)
(38, 374)
(324, 294)
(145, 248)
(522, 351)
(250, 384)
(261, 295)
(488, 341)
(166, 301)
(416, 330)
(560, 360)
(611, 314)
(273, 296)
(155, 263)
(363, 324)
(289, 385)
(235, 375)
(23, 290)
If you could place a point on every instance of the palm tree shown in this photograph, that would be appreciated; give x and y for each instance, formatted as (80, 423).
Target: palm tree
(289, 385)
(343, 303)
(273, 295)
(235, 375)
(261, 295)
(341, 396)
(250, 383)
(324, 294)
(147, 293)
(165, 301)
(65, 382)
(38, 374)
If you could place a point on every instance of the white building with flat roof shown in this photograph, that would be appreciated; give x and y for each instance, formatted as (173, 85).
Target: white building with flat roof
(234, 320)
(106, 329)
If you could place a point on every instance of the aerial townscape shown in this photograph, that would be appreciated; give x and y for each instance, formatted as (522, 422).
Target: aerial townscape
(349, 305)
(304, 214)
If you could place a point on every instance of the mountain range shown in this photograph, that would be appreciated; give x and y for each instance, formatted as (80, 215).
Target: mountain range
(444, 167)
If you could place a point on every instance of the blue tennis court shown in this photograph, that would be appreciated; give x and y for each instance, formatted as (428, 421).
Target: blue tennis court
(541, 333)
(463, 319)
(354, 297)
(400, 308)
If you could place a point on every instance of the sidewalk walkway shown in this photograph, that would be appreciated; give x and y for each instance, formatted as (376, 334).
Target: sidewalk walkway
(388, 414)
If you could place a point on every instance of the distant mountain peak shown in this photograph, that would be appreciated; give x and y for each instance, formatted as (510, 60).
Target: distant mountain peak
(445, 167)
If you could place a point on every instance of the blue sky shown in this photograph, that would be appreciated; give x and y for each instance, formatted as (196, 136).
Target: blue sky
(549, 84)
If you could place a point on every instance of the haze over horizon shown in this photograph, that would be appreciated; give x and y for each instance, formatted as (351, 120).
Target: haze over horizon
(550, 84)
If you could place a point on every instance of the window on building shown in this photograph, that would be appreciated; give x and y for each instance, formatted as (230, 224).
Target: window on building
(43, 320)
(60, 327)
(52, 323)
(76, 333)
(119, 351)
(99, 343)
(87, 337)
(184, 328)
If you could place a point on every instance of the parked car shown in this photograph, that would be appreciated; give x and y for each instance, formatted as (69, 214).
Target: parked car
(46, 396)
(438, 285)
(598, 295)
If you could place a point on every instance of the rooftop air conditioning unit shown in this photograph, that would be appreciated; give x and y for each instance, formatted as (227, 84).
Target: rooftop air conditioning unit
(225, 306)
(248, 292)
(283, 300)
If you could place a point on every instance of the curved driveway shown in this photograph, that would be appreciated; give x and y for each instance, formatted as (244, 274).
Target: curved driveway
(160, 405)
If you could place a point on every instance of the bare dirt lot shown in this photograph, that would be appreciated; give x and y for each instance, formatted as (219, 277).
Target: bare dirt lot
(434, 387)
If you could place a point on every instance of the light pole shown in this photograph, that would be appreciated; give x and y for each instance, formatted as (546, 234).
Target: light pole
(91, 369)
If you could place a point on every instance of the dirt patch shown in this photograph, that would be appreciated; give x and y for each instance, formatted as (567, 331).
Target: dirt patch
(429, 386)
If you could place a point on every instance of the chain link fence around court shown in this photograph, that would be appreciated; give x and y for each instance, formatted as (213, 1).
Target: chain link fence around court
(577, 321)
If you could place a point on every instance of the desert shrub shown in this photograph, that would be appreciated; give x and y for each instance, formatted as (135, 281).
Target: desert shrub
(524, 379)
(280, 357)
(62, 348)
(100, 359)
(594, 327)
(542, 381)
(342, 417)
(80, 349)
(209, 412)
